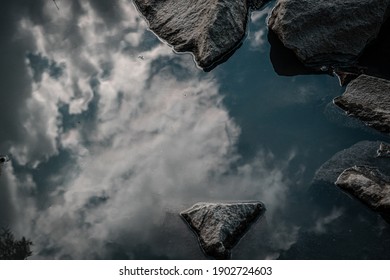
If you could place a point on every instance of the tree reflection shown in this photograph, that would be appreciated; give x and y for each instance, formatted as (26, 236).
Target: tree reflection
(11, 249)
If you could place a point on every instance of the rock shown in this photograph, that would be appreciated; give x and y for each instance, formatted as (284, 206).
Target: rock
(362, 153)
(383, 151)
(368, 99)
(220, 226)
(322, 32)
(369, 185)
(210, 30)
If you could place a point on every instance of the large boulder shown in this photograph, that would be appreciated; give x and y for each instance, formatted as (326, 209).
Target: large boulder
(368, 99)
(220, 226)
(323, 32)
(209, 29)
(368, 185)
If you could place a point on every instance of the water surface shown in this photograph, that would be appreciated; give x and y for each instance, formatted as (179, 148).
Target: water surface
(111, 135)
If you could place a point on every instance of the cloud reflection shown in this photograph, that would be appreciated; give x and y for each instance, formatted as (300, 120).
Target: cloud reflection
(257, 33)
(134, 139)
(322, 222)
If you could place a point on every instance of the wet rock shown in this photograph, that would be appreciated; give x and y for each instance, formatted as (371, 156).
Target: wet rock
(364, 153)
(383, 151)
(210, 30)
(219, 226)
(368, 185)
(324, 32)
(368, 99)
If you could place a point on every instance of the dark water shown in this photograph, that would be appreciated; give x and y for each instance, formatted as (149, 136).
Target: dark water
(111, 135)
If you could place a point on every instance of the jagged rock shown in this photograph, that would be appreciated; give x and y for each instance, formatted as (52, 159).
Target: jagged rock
(369, 185)
(368, 99)
(210, 29)
(220, 226)
(362, 153)
(322, 32)
(383, 151)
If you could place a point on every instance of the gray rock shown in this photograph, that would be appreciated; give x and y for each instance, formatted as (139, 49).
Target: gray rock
(368, 185)
(368, 99)
(323, 32)
(220, 226)
(383, 151)
(210, 30)
(363, 154)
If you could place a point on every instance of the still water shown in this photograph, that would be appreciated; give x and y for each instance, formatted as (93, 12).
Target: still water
(111, 135)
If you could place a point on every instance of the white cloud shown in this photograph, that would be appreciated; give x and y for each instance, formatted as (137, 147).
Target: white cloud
(260, 15)
(323, 222)
(158, 140)
(257, 39)
(258, 32)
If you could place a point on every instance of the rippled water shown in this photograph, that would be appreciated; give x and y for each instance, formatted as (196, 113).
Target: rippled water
(111, 135)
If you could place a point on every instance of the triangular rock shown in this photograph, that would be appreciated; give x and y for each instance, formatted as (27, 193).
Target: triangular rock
(220, 226)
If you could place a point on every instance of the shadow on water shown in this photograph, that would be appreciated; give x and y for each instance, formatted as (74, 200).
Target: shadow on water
(223, 58)
(377, 55)
(284, 61)
(374, 61)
